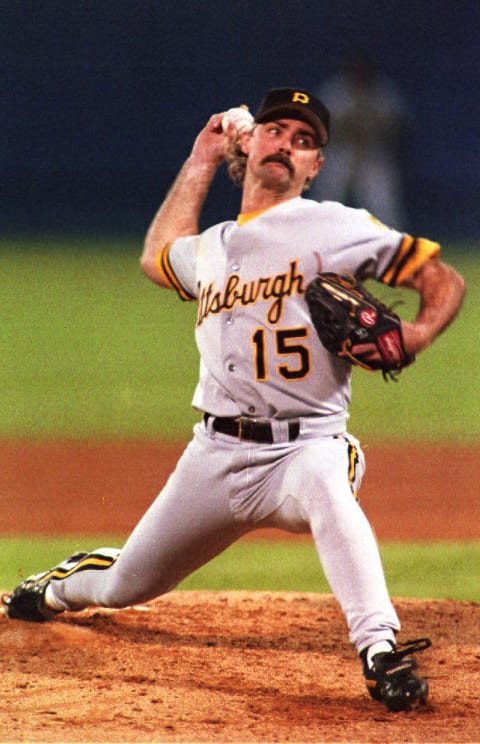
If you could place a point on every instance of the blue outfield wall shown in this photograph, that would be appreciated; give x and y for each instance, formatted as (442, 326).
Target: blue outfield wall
(101, 99)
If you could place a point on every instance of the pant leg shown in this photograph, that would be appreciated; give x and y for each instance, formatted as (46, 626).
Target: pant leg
(319, 484)
(189, 523)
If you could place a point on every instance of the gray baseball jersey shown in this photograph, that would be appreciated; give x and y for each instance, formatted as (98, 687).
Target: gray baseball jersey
(249, 278)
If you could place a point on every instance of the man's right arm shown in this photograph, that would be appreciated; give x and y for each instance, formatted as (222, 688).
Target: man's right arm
(179, 214)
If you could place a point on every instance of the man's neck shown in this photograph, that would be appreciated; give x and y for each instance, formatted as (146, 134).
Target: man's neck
(257, 198)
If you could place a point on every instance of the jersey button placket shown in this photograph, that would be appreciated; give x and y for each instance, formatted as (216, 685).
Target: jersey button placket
(231, 366)
(234, 268)
(230, 342)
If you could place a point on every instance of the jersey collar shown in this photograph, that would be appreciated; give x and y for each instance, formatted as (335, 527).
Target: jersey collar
(247, 216)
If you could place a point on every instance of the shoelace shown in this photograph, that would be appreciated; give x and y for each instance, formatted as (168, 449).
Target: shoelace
(411, 647)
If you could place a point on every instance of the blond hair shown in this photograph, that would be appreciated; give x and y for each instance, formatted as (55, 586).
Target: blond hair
(236, 162)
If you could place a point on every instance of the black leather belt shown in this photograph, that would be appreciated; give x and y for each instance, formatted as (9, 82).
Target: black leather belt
(243, 427)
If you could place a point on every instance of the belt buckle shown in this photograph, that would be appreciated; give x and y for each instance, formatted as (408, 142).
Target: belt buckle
(244, 424)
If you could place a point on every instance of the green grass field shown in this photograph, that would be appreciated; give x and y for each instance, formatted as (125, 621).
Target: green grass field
(93, 349)
(437, 570)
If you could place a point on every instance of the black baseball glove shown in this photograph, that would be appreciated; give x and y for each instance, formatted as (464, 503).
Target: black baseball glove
(346, 315)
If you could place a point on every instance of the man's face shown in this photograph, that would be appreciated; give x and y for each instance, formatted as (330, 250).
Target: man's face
(283, 155)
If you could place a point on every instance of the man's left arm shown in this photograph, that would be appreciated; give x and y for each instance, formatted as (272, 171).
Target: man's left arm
(441, 291)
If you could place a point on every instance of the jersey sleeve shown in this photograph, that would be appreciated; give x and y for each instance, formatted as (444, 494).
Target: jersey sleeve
(362, 245)
(410, 255)
(176, 266)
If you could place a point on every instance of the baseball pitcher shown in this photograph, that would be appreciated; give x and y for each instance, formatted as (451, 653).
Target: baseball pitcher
(271, 447)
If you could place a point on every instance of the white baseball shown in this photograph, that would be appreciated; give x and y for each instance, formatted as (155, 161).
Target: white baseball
(240, 116)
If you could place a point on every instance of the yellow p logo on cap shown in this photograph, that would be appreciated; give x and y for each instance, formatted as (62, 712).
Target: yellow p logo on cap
(300, 97)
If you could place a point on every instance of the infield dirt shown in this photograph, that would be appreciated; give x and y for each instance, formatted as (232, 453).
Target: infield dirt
(228, 666)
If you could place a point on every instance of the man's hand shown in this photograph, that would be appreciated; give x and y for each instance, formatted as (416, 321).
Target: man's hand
(209, 147)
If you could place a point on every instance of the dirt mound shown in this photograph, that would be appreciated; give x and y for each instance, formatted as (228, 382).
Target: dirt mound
(229, 667)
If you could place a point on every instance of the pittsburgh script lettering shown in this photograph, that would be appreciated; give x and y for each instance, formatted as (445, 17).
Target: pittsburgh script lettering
(235, 292)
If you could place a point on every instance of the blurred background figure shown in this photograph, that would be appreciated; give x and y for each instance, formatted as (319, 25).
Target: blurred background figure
(365, 161)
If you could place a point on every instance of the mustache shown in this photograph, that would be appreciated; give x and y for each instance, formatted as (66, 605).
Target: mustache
(282, 159)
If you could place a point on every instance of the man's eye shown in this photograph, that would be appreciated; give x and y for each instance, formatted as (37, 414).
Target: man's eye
(305, 142)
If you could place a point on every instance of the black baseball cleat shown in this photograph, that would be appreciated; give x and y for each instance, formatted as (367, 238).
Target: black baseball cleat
(27, 601)
(390, 678)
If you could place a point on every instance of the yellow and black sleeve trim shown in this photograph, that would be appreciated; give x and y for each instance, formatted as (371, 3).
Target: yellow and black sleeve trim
(412, 253)
(167, 274)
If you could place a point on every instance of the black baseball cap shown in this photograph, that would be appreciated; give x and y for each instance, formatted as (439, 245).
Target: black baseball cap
(293, 103)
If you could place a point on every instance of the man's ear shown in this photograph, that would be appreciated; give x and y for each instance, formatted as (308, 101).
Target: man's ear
(244, 140)
(315, 169)
(317, 166)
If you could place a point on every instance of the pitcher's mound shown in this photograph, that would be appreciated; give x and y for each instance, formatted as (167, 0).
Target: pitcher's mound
(230, 667)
